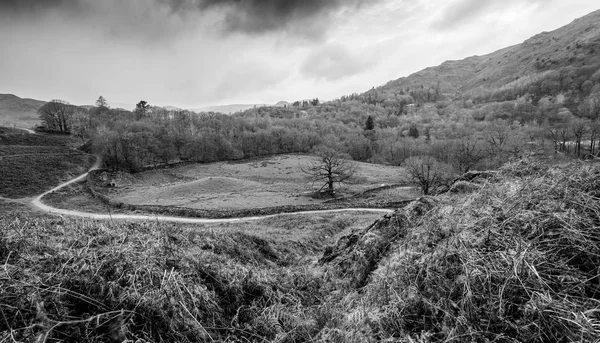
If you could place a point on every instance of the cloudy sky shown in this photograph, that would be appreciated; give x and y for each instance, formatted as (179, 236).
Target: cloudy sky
(196, 53)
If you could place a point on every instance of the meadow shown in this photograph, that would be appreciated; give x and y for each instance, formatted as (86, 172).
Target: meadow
(255, 183)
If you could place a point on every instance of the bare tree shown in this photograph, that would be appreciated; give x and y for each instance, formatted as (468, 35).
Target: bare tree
(467, 153)
(57, 115)
(497, 138)
(579, 129)
(331, 168)
(427, 172)
(553, 135)
(594, 133)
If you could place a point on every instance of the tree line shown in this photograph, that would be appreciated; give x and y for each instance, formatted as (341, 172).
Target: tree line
(459, 135)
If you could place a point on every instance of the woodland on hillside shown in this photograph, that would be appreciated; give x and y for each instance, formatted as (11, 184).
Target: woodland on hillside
(478, 132)
(538, 97)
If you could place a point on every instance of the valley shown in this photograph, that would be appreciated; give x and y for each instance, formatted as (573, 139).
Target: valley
(460, 203)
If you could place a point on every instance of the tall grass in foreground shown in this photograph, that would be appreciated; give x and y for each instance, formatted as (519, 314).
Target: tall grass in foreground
(515, 261)
(84, 281)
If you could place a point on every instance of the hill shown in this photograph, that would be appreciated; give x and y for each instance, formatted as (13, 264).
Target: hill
(21, 112)
(557, 61)
(228, 109)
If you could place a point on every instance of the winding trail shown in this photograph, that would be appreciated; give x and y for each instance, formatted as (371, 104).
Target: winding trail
(30, 131)
(37, 203)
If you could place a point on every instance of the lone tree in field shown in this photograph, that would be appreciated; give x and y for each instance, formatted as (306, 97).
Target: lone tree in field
(57, 115)
(427, 172)
(330, 169)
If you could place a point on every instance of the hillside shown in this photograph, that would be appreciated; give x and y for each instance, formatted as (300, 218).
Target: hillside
(31, 164)
(20, 112)
(573, 46)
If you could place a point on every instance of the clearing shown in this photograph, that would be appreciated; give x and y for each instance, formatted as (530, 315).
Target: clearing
(257, 183)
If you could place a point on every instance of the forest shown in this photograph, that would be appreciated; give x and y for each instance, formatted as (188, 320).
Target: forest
(554, 114)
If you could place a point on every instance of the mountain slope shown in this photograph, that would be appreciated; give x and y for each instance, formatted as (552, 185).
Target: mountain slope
(575, 45)
(15, 111)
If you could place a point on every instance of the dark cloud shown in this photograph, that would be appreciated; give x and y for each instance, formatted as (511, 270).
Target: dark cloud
(305, 17)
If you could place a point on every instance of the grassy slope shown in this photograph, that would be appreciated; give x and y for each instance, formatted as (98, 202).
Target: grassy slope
(18, 111)
(32, 164)
(514, 261)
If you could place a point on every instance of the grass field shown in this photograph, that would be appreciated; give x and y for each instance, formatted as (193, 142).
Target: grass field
(31, 164)
(265, 182)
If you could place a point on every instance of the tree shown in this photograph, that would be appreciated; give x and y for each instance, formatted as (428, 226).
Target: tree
(427, 172)
(57, 115)
(370, 124)
(413, 131)
(81, 123)
(594, 133)
(590, 108)
(579, 129)
(141, 109)
(330, 169)
(101, 102)
(467, 154)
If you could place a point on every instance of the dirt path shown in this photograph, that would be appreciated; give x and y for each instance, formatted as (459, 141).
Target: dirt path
(37, 203)
(28, 130)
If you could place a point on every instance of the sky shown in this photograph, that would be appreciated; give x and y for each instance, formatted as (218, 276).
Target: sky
(197, 53)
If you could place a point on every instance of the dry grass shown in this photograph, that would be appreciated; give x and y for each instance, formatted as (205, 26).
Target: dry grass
(265, 182)
(84, 281)
(28, 175)
(516, 260)
(31, 164)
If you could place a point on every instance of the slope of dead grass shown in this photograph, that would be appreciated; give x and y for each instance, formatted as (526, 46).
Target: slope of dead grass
(515, 261)
(84, 281)
(28, 175)
(31, 164)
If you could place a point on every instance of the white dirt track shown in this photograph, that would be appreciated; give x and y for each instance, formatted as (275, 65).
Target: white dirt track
(37, 203)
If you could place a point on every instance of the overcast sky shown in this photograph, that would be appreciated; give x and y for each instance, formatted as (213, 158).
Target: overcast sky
(196, 53)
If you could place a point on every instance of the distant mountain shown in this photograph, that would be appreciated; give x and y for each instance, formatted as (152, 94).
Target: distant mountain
(283, 104)
(20, 112)
(565, 52)
(228, 109)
